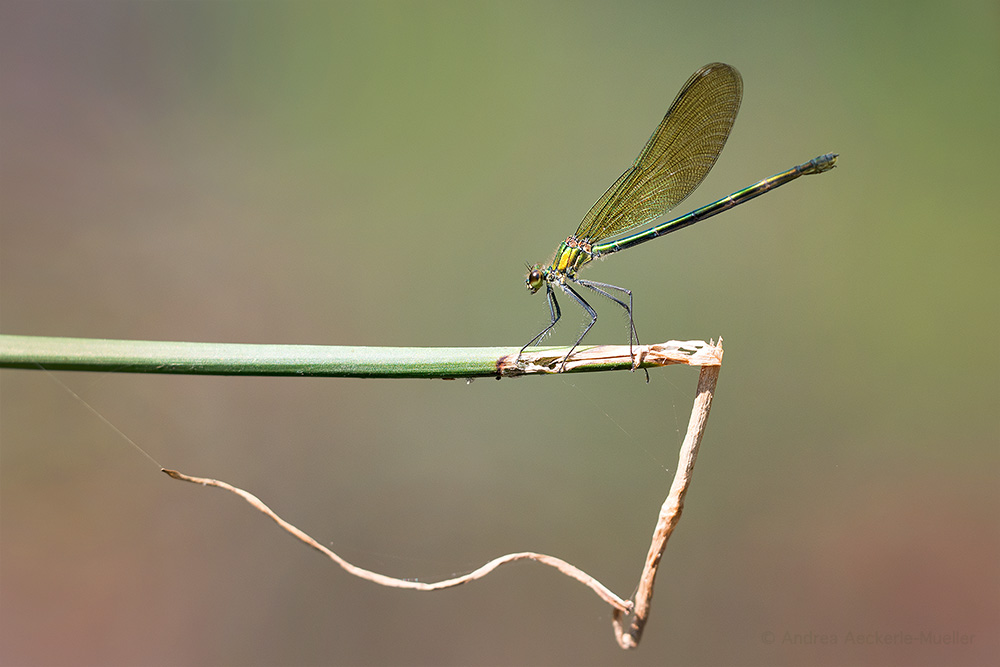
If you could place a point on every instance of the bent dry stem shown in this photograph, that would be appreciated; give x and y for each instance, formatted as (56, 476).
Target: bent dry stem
(629, 616)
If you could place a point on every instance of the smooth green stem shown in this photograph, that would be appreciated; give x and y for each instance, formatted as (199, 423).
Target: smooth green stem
(139, 356)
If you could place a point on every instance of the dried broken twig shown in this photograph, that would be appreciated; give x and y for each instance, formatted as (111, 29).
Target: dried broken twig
(629, 617)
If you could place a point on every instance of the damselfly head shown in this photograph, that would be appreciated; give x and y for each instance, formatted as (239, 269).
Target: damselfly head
(535, 278)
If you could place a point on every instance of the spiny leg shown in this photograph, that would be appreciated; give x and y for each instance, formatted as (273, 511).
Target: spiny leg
(555, 314)
(633, 334)
(600, 289)
(590, 311)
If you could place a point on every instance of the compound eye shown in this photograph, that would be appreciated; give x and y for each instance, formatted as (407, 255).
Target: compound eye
(534, 280)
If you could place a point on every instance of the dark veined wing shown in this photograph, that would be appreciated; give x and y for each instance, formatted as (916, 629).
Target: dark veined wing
(677, 157)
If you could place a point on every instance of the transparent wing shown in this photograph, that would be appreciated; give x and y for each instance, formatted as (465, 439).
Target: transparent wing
(677, 157)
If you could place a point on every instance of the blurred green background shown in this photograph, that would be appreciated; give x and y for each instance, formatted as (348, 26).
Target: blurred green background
(378, 174)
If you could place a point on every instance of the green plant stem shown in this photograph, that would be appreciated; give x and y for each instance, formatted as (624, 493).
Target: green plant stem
(137, 356)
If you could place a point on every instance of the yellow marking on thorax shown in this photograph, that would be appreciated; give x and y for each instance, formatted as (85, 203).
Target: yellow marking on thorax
(567, 258)
(572, 254)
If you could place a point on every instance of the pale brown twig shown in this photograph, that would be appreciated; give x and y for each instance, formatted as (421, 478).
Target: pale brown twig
(670, 512)
(384, 580)
(628, 616)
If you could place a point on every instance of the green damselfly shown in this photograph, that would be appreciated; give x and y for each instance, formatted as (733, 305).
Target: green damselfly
(675, 160)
